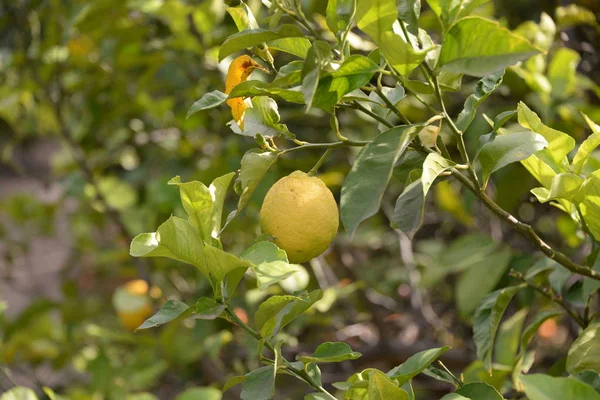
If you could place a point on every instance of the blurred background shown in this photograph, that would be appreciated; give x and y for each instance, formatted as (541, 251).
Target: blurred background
(93, 98)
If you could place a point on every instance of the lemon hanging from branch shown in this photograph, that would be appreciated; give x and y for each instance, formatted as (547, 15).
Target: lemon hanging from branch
(299, 211)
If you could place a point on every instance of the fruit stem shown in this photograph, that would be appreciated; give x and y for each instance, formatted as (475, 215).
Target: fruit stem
(314, 169)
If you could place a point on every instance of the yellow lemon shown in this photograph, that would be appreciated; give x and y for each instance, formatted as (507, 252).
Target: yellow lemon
(132, 303)
(301, 214)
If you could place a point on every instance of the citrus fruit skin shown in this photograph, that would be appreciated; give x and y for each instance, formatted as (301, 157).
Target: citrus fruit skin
(299, 211)
(132, 303)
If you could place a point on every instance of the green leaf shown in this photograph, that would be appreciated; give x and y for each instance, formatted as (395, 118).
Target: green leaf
(259, 384)
(253, 88)
(590, 205)
(168, 311)
(401, 55)
(573, 14)
(198, 204)
(278, 311)
(254, 166)
(374, 17)
(507, 340)
(409, 209)
(209, 100)
(587, 146)
(297, 46)
(233, 381)
(316, 396)
(364, 186)
(253, 37)
(507, 149)
(409, 12)
(484, 88)
(559, 143)
(206, 308)
(545, 387)
(564, 186)
(487, 320)
(356, 71)
(204, 393)
(289, 74)
(531, 329)
(562, 72)
(176, 239)
(242, 16)
(454, 396)
(416, 364)
(479, 390)
(317, 58)
(450, 11)
(584, 354)
(382, 388)
(339, 14)
(478, 47)
(224, 267)
(218, 191)
(433, 166)
(330, 352)
(19, 393)
(270, 263)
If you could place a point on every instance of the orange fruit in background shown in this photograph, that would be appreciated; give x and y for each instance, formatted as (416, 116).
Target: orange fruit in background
(133, 303)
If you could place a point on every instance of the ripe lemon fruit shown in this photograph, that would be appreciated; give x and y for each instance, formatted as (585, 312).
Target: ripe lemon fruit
(132, 303)
(299, 211)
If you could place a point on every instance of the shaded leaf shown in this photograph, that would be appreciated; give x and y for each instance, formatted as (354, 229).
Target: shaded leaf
(206, 308)
(382, 388)
(169, 311)
(409, 209)
(259, 384)
(253, 37)
(479, 390)
(507, 149)
(484, 88)
(487, 320)
(364, 186)
(209, 100)
(416, 364)
(330, 352)
(433, 166)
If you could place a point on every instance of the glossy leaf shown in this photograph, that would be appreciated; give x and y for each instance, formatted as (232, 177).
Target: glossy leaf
(330, 352)
(487, 320)
(224, 267)
(484, 88)
(590, 204)
(209, 100)
(587, 146)
(317, 58)
(478, 47)
(262, 118)
(562, 72)
(416, 364)
(253, 37)
(364, 186)
(19, 393)
(450, 11)
(297, 46)
(270, 263)
(218, 191)
(584, 353)
(278, 311)
(507, 149)
(356, 71)
(545, 387)
(169, 311)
